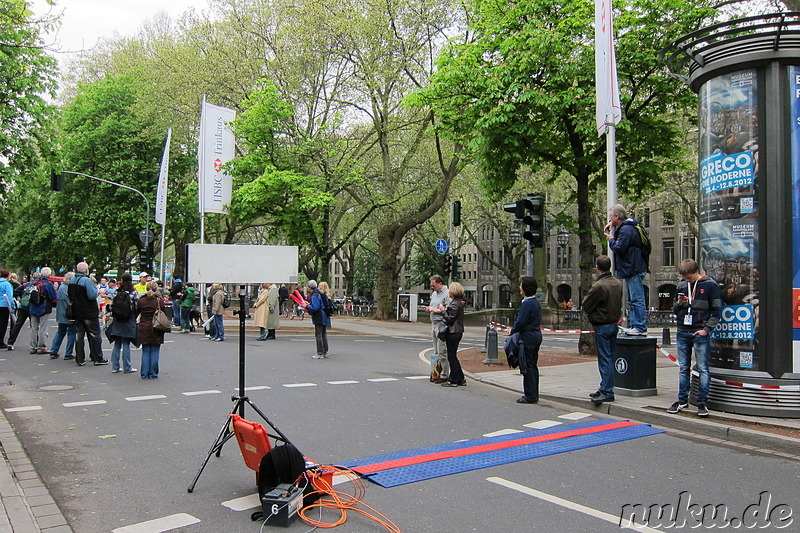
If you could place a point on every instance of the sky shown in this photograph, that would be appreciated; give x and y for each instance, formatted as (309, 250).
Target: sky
(85, 21)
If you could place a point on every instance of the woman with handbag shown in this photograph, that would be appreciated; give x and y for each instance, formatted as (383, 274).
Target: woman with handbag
(121, 331)
(149, 337)
(453, 316)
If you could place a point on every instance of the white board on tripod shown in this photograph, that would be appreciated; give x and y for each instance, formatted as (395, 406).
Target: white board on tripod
(241, 264)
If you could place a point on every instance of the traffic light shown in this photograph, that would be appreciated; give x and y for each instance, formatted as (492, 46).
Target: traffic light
(534, 220)
(456, 267)
(144, 261)
(56, 181)
(457, 213)
(448, 264)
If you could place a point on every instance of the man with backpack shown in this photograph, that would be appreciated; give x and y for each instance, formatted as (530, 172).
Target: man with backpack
(42, 299)
(23, 293)
(630, 265)
(83, 295)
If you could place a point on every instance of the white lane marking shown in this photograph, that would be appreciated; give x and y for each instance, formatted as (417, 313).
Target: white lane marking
(295, 385)
(143, 398)
(424, 358)
(543, 424)
(199, 392)
(369, 340)
(158, 525)
(382, 380)
(564, 503)
(20, 409)
(244, 503)
(502, 432)
(344, 382)
(574, 416)
(303, 340)
(257, 387)
(81, 404)
(417, 377)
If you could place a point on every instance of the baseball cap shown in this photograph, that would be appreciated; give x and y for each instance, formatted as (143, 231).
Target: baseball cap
(141, 274)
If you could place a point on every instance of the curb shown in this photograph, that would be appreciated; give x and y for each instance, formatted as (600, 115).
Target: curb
(26, 504)
(757, 440)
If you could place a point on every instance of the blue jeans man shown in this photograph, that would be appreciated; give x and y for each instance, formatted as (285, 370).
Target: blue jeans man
(218, 331)
(177, 317)
(686, 341)
(605, 338)
(636, 302)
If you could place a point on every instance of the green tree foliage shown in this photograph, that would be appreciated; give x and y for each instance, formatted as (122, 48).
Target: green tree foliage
(520, 91)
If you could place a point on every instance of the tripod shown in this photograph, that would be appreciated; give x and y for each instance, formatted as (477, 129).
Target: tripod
(239, 401)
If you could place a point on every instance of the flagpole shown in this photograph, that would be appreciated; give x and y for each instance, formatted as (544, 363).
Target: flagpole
(201, 190)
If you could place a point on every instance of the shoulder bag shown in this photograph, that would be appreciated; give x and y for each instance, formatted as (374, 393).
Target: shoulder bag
(161, 322)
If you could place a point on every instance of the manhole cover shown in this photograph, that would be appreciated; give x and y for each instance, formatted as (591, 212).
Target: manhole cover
(56, 387)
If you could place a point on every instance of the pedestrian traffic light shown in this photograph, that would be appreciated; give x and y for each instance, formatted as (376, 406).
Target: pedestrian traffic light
(448, 264)
(144, 261)
(456, 267)
(56, 181)
(534, 220)
(457, 213)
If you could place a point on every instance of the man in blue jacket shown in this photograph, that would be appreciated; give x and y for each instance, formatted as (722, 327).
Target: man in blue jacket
(629, 265)
(527, 324)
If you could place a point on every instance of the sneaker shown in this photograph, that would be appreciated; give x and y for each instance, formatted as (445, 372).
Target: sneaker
(10, 347)
(117, 371)
(81, 364)
(316, 356)
(131, 371)
(101, 362)
(53, 355)
(678, 407)
(633, 332)
(68, 357)
(702, 410)
(595, 394)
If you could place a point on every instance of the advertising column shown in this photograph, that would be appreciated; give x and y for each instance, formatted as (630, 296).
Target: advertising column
(729, 172)
(794, 80)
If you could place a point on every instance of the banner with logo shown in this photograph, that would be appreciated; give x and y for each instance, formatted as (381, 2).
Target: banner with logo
(161, 190)
(729, 174)
(605, 67)
(216, 148)
(794, 80)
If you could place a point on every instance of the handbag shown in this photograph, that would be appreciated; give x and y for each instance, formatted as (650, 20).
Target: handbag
(443, 329)
(161, 322)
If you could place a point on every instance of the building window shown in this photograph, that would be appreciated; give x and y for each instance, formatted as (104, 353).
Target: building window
(569, 257)
(689, 248)
(645, 217)
(669, 252)
(336, 268)
(669, 217)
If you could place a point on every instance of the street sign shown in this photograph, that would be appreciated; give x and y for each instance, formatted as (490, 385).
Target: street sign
(146, 235)
(441, 246)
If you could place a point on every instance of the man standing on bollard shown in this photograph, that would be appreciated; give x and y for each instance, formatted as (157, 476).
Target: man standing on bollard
(603, 307)
(698, 311)
(630, 265)
(439, 296)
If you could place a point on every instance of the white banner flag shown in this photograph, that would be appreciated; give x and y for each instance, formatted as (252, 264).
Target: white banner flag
(161, 191)
(605, 66)
(216, 148)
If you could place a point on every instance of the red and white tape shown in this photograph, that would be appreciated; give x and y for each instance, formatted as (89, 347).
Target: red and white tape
(505, 329)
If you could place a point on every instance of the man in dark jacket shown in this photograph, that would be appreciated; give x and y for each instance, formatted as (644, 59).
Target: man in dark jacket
(527, 323)
(603, 307)
(83, 294)
(629, 265)
(698, 311)
(176, 295)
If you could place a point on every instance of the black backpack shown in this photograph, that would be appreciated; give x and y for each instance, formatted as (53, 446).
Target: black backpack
(330, 306)
(647, 246)
(122, 305)
(226, 301)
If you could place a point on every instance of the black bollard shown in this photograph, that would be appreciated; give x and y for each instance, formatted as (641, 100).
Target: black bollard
(665, 340)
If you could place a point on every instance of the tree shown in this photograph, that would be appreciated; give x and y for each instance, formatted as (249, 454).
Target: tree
(521, 92)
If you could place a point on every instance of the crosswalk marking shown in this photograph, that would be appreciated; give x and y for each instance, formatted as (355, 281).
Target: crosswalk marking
(542, 424)
(159, 525)
(296, 385)
(344, 382)
(382, 380)
(20, 409)
(201, 392)
(81, 404)
(574, 416)
(143, 398)
(502, 432)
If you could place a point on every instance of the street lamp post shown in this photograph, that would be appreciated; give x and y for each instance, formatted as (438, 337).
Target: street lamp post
(146, 239)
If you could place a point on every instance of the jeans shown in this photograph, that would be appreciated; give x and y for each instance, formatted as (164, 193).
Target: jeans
(185, 324)
(262, 333)
(125, 346)
(39, 326)
(88, 328)
(439, 352)
(605, 338)
(219, 329)
(686, 340)
(177, 314)
(636, 301)
(150, 354)
(321, 336)
(456, 372)
(67, 330)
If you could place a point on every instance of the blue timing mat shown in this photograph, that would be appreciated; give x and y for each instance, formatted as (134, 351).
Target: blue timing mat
(407, 466)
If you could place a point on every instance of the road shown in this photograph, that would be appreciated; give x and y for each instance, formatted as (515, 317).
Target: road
(119, 451)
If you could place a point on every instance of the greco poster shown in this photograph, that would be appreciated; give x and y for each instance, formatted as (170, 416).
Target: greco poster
(729, 174)
(794, 81)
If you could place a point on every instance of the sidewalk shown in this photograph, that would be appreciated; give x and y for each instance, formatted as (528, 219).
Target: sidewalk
(26, 505)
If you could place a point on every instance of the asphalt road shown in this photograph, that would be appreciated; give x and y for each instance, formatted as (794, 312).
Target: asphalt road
(128, 457)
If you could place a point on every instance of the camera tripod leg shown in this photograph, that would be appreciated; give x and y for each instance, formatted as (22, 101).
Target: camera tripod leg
(224, 434)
